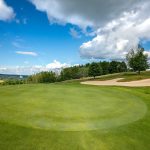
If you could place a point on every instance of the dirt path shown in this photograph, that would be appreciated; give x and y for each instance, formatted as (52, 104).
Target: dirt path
(139, 83)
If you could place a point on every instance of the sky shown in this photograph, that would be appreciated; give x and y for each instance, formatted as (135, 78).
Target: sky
(43, 35)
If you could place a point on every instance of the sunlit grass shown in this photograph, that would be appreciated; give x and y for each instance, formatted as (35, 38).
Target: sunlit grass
(66, 116)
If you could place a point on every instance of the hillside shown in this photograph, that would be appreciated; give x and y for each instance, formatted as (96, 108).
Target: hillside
(127, 76)
(7, 76)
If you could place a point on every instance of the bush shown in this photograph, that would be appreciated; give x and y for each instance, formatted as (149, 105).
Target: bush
(42, 77)
(13, 82)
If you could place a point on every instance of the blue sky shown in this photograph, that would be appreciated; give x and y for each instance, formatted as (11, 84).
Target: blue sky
(46, 34)
(49, 41)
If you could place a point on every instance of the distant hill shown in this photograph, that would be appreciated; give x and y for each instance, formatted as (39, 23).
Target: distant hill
(8, 76)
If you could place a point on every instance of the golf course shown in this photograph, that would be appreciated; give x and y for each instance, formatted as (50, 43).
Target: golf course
(72, 116)
(74, 75)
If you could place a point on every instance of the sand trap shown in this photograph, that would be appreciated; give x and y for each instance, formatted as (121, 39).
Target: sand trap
(1, 81)
(139, 83)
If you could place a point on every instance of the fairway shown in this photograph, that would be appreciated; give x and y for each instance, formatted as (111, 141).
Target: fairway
(60, 109)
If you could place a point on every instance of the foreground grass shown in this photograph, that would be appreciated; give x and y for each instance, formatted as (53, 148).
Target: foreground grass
(28, 111)
(128, 76)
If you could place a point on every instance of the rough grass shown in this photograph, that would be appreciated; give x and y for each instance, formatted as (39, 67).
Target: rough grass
(121, 117)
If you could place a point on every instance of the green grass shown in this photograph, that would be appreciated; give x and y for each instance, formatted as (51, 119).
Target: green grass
(70, 116)
(128, 76)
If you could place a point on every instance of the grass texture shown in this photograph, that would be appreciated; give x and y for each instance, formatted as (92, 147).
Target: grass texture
(66, 116)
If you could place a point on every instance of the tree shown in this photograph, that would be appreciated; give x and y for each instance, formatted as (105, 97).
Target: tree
(95, 69)
(74, 72)
(105, 67)
(137, 60)
(122, 67)
(65, 74)
(70, 73)
(42, 77)
(113, 67)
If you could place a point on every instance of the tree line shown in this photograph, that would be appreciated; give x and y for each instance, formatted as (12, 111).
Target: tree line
(76, 72)
(136, 61)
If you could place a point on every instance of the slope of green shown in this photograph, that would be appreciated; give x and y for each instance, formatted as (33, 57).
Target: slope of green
(70, 116)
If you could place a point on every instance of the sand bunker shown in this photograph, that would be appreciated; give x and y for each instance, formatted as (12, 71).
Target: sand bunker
(139, 83)
(1, 81)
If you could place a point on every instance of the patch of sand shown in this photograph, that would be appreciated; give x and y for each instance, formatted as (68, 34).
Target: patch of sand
(138, 83)
(1, 81)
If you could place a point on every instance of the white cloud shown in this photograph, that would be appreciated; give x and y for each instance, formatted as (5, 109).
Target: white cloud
(74, 33)
(84, 13)
(6, 12)
(147, 53)
(117, 37)
(26, 53)
(3, 69)
(55, 66)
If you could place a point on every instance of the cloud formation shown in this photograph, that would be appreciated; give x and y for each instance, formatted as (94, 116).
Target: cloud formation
(27, 53)
(6, 12)
(55, 66)
(119, 25)
(117, 37)
(84, 13)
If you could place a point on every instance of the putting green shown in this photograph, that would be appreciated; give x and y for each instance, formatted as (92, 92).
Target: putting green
(69, 108)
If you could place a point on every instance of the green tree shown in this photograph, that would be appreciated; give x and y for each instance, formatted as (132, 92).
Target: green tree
(113, 67)
(74, 72)
(83, 72)
(137, 60)
(42, 77)
(122, 67)
(105, 67)
(95, 69)
(66, 74)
